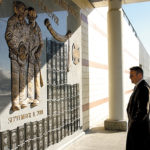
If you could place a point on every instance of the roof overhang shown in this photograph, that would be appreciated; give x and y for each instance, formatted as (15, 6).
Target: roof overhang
(101, 3)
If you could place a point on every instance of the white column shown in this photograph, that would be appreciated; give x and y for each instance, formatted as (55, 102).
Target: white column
(116, 108)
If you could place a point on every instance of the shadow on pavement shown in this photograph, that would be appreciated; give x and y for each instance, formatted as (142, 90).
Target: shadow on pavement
(101, 130)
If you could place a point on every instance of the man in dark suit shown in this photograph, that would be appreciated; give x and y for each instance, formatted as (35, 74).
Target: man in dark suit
(138, 113)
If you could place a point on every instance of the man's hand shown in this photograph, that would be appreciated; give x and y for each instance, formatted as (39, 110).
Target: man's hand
(37, 54)
(22, 52)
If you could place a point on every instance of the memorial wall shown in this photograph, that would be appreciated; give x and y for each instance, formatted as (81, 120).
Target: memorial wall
(40, 72)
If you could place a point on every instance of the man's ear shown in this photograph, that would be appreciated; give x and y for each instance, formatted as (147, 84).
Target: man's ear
(140, 75)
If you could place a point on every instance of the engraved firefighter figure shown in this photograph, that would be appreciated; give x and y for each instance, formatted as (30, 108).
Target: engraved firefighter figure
(36, 45)
(17, 39)
(25, 44)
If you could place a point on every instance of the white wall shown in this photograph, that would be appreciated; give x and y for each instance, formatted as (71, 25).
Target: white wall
(95, 63)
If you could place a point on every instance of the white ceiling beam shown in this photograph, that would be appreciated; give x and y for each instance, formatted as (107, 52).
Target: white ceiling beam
(102, 3)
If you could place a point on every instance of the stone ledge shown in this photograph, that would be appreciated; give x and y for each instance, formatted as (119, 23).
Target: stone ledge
(115, 125)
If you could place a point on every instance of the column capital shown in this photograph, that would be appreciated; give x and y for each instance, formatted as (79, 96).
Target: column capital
(114, 4)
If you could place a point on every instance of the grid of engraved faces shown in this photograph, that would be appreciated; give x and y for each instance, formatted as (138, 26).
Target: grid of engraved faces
(30, 136)
(63, 98)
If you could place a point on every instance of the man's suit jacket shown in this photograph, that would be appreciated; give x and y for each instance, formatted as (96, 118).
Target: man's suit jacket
(138, 115)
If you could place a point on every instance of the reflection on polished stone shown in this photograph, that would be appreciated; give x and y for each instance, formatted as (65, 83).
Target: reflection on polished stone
(5, 83)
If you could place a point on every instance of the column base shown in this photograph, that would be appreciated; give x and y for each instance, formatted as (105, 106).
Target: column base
(115, 125)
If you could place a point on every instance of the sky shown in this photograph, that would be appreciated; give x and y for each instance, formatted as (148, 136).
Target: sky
(139, 16)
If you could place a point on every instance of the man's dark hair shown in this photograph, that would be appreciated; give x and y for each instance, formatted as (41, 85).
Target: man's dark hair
(31, 9)
(137, 69)
(18, 4)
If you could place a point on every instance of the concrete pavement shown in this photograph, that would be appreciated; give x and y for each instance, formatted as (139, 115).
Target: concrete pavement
(99, 139)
